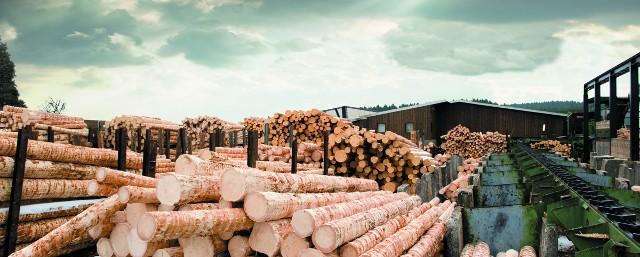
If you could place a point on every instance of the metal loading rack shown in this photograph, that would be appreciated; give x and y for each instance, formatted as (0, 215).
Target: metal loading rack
(597, 224)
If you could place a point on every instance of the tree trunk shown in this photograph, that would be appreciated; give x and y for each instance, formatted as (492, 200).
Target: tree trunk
(292, 245)
(30, 231)
(134, 211)
(188, 164)
(122, 178)
(134, 194)
(367, 241)
(120, 239)
(239, 247)
(429, 242)
(481, 249)
(140, 248)
(331, 235)
(46, 189)
(266, 237)
(43, 211)
(174, 225)
(199, 206)
(97, 189)
(173, 189)
(306, 221)
(74, 228)
(48, 169)
(236, 183)
(268, 206)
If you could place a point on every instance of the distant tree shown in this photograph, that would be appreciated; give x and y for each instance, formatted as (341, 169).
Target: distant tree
(552, 106)
(484, 101)
(8, 91)
(56, 106)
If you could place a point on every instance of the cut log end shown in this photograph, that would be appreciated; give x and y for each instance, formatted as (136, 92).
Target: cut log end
(324, 239)
(119, 239)
(255, 205)
(137, 246)
(292, 244)
(233, 192)
(168, 190)
(239, 246)
(303, 223)
(146, 227)
(123, 194)
(104, 248)
(264, 240)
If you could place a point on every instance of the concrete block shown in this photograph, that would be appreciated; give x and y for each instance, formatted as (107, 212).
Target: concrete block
(454, 239)
(465, 197)
(599, 160)
(548, 240)
(611, 166)
(424, 187)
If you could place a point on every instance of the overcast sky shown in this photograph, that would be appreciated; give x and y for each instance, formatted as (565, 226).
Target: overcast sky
(239, 58)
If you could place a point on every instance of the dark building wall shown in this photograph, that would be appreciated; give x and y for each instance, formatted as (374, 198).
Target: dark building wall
(433, 121)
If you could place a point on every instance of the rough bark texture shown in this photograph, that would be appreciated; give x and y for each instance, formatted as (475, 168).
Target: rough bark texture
(122, 178)
(467, 250)
(34, 212)
(134, 194)
(70, 154)
(428, 244)
(527, 251)
(362, 244)
(190, 165)
(97, 189)
(333, 234)
(174, 189)
(236, 183)
(174, 225)
(48, 169)
(74, 228)
(267, 206)
(46, 188)
(312, 252)
(481, 250)
(266, 237)
(406, 237)
(239, 246)
(308, 220)
(199, 206)
(30, 231)
(169, 252)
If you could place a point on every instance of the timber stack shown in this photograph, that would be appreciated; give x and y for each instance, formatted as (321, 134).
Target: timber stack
(199, 130)
(388, 158)
(553, 146)
(67, 129)
(136, 127)
(255, 124)
(461, 141)
(308, 126)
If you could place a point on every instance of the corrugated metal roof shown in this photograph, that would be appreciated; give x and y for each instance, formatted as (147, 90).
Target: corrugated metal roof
(461, 101)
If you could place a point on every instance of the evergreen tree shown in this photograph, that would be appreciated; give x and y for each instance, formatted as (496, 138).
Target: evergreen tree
(8, 90)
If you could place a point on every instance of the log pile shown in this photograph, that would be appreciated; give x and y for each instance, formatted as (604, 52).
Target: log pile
(525, 251)
(387, 158)
(553, 146)
(255, 124)
(461, 141)
(65, 127)
(308, 126)
(623, 133)
(137, 127)
(468, 167)
(199, 130)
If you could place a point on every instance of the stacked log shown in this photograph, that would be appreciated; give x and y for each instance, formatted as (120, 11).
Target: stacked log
(468, 167)
(477, 249)
(525, 251)
(137, 127)
(64, 127)
(199, 130)
(623, 133)
(308, 126)
(387, 158)
(255, 124)
(553, 146)
(461, 141)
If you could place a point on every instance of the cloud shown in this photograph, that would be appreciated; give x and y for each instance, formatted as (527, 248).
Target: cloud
(7, 32)
(213, 47)
(467, 49)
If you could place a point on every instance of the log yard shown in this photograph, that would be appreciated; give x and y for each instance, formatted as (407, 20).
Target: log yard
(249, 128)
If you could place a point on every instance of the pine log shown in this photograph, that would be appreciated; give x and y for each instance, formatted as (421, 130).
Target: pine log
(30, 231)
(367, 241)
(101, 229)
(306, 221)
(268, 206)
(119, 217)
(122, 178)
(199, 206)
(173, 189)
(134, 211)
(140, 248)
(120, 239)
(481, 249)
(236, 183)
(97, 189)
(527, 251)
(332, 235)
(467, 250)
(266, 237)
(46, 188)
(428, 243)
(48, 169)
(188, 164)
(169, 252)
(239, 246)
(174, 225)
(74, 228)
(43, 211)
(292, 245)
(134, 194)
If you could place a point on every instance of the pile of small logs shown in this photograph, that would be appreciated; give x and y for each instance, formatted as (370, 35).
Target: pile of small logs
(56, 172)
(388, 158)
(255, 124)
(308, 126)
(307, 153)
(199, 130)
(623, 133)
(469, 166)
(64, 127)
(481, 249)
(461, 141)
(137, 127)
(554, 146)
